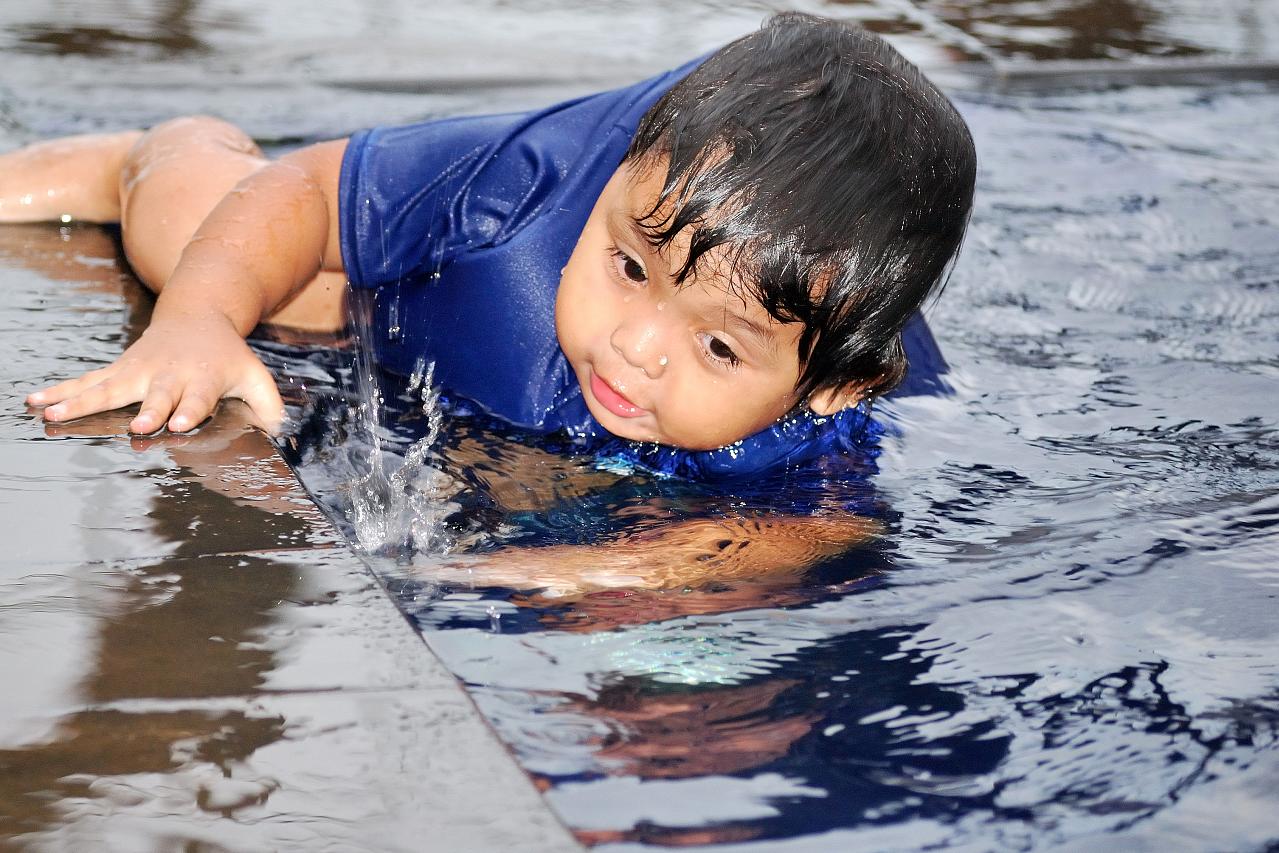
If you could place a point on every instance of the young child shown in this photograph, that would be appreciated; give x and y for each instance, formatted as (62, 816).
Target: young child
(720, 260)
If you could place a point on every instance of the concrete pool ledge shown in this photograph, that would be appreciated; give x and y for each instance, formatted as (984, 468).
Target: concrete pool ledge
(192, 655)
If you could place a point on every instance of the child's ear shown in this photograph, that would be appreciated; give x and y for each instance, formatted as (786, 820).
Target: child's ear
(828, 401)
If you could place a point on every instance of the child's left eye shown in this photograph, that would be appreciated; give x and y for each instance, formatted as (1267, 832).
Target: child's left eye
(719, 351)
(629, 268)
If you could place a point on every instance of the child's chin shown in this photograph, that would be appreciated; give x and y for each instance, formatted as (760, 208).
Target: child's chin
(621, 431)
(649, 436)
(624, 428)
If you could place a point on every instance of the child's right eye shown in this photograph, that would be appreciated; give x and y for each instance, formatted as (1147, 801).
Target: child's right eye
(629, 268)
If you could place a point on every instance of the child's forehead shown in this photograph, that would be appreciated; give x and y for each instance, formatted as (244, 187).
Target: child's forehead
(641, 211)
(715, 273)
(641, 186)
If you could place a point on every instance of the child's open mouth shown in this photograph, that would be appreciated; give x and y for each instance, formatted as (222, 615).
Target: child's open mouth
(612, 400)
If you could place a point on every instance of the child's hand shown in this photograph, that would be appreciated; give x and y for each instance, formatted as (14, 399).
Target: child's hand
(179, 372)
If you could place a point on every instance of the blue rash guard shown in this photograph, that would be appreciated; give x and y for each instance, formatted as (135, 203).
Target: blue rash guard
(462, 226)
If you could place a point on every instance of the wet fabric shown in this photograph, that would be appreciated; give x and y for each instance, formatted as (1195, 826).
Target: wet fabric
(461, 227)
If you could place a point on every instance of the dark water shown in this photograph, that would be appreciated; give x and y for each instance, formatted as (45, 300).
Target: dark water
(1067, 635)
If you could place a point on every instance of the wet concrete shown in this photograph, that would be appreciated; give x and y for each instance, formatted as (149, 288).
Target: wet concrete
(191, 655)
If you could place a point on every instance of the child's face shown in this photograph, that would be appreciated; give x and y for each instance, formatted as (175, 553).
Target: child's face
(693, 366)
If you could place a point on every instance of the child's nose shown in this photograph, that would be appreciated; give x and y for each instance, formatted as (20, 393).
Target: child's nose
(639, 339)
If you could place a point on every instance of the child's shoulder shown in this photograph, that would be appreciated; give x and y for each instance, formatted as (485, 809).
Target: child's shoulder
(470, 181)
(554, 136)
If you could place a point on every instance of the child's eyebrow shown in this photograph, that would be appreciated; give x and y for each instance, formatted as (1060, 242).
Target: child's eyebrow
(763, 336)
(629, 224)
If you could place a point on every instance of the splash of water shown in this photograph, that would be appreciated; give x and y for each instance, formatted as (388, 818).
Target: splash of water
(390, 494)
(395, 506)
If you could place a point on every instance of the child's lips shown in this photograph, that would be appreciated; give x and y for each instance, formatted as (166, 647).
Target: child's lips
(612, 400)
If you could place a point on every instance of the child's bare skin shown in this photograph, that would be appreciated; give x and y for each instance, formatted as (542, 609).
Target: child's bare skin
(225, 237)
(80, 173)
(228, 240)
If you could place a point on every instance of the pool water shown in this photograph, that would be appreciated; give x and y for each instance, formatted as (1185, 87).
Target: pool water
(1066, 634)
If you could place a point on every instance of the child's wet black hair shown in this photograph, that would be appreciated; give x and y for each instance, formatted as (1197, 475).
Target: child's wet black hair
(837, 175)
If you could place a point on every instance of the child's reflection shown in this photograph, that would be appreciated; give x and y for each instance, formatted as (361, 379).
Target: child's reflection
(82, 255)
(227, 456)
(187, 629)
(656, 732)
(662, 733)
(666, 552)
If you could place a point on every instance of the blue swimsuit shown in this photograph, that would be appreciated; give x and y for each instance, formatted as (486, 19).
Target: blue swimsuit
(463, 225)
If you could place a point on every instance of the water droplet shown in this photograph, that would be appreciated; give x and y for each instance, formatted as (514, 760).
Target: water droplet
(393, 315)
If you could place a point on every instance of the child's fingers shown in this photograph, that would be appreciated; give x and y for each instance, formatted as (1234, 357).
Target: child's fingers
(61, 391)
(157, 405)
(108, 394)
(263, 397)
(199, 398)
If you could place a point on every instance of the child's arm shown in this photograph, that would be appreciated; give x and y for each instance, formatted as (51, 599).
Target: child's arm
(265, 241)
(763, 556)
(681, 554)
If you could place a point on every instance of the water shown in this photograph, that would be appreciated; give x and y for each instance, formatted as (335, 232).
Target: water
(1067, 635)
(192, 656)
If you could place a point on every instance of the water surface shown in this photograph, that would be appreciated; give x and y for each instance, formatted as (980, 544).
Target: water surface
(1068, 634)
(1066, 637)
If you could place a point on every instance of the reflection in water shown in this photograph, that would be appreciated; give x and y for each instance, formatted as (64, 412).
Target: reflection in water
(186, 627)
(177, 629)
(168, 29)
(1066, 633)
(1064, 29)
(1114, 29)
